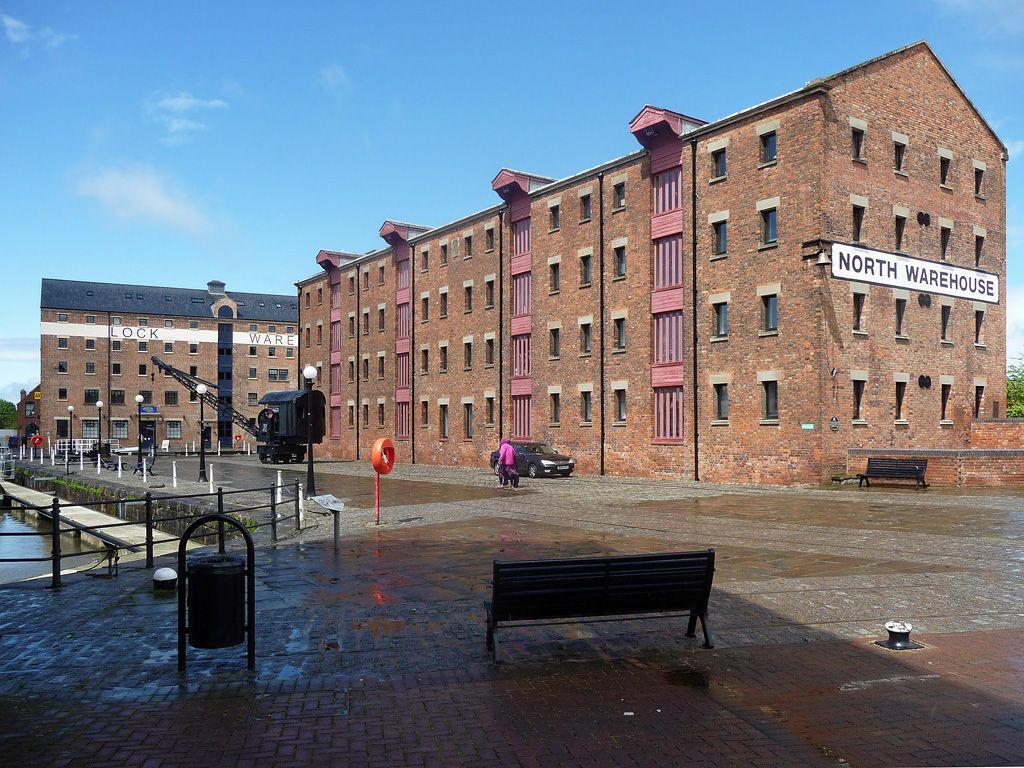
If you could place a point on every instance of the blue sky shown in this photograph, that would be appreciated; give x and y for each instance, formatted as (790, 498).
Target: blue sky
(176, 143)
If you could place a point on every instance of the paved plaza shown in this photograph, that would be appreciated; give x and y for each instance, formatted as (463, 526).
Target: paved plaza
(373, 654)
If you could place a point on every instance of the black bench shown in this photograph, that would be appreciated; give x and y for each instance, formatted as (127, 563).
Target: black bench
(895, 469)
(149, 462)
(575, 588)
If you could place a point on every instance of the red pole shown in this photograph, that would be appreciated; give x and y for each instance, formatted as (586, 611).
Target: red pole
(376, 497)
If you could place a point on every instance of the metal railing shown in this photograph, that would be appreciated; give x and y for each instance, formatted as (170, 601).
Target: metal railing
(267, 515)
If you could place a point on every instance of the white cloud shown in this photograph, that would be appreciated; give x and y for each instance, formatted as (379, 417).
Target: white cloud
(177, 114)
(19, 33)
(1015, 148)
(142, 194)
(335, 79)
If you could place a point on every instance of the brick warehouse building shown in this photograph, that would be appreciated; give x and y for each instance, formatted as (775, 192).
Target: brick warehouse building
(97, 340)
(761, 298)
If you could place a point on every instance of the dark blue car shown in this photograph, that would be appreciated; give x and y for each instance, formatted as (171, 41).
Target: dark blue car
(536, 459)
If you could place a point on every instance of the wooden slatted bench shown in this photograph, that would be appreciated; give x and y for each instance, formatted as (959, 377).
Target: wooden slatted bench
(895, 469)
(531, 592)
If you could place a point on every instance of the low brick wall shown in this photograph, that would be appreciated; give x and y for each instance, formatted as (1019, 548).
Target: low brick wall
(997, 433)
(972, 466)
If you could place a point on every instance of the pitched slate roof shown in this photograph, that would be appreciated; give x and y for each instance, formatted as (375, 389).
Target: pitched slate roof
(154, 300)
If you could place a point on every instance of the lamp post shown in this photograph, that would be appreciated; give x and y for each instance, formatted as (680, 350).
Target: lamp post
(139, 399)
(201, 391)
(99, 427)
(71, 438)
(309, 372)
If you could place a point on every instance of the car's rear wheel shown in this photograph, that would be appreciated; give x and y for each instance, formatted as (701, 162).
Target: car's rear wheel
(532, 470)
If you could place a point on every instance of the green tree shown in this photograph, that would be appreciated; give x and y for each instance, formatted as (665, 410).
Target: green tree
(8, 415)
(1015, 389)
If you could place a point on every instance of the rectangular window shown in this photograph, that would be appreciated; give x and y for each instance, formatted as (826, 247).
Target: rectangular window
(142, 369)
(193, 349)
(467, 355)
(586, 406)
(620, 333)
(668, 337)
(402, 318)
(979, 319)
(946, 389)
(115, 345)
(584, 208)
(366, 326)
(586, 344)
(424, 361)
(901, 392)
(979, 394)
(489, 239)
(901, 228)
(721, 237)
(901, 312)
(719, 166)
(858, 311)
(115, 369)
(424, 309)
(366, 414)
(668, 262)
(722, 402)
(147, 396)
(351, 284)
(620, 262)
(585, 270)
(858, 223)
(556, 408)
(351, 416)
(442, 421)
(404, 276)
(857, 136)
(468, 251)
(489, 352)
(554, 343)
(319, 295)
(424, 261)
(522, 407)
(403, 370)
(554, 277)
(944, 236)
(468, 298)
(489, 410)
(402, 421)
(721, 311)
(62, 366)
(770, 312)
(467, 418)
(944, 329)
(62, 393)
(489, 293)
(620, 405)
(442, 354)
(168, 347)
(522, 288)
(979, 177)
(769, 228)
(171, 397)
(90, 319)
(553, 218)
(667, 190)
(62, 342)
(899, 150)
(668, 414)
(91, 396)
(90, 344)
(444, 304)
(771, 400)
(521, 237)
(619, 195)
(117, 397)
(366, 369)
(444, 253)
(90, 367)
(380, 275)
(944, 163)
(143, 346)
(380, 414)
(252, 398)
(858, 398)
(521, 355)
(768, 147)
(424, 413)
(119, 429)
(979, 245)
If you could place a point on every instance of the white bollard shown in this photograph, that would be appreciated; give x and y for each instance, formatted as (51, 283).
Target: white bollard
(53, 459)
(81, 462)
(97, 463)
(142, 458)
(302, 504)
(186, 450)
(279, 493)
(174, 474)
(118, 466)
(211, 477)
(218, 447)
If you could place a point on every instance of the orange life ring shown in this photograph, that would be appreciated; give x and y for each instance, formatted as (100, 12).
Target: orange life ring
(36, 440)
(383, 456)
(238, 438)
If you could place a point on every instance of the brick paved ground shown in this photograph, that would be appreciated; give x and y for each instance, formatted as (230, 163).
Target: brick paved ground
(374, 655)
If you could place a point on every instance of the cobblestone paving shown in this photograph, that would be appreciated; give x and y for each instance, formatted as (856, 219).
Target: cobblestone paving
(374, 655)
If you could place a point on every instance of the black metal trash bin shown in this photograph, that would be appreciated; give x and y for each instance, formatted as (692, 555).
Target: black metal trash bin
(216, 601)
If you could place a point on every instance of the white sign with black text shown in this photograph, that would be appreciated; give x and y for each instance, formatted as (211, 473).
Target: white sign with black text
(867, 266)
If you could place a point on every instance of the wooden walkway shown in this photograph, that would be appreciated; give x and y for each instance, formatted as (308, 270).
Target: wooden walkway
(131, 537)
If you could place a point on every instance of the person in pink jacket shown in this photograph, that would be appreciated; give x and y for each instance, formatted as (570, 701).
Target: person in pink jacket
(507, 465)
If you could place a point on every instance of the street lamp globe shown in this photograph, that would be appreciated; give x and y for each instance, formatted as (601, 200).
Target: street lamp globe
(309, 372)
(71, 409)
(99, 405)
(201, 390)
(139, 399)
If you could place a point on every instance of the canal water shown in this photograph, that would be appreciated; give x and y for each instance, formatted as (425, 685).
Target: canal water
(39, 545)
